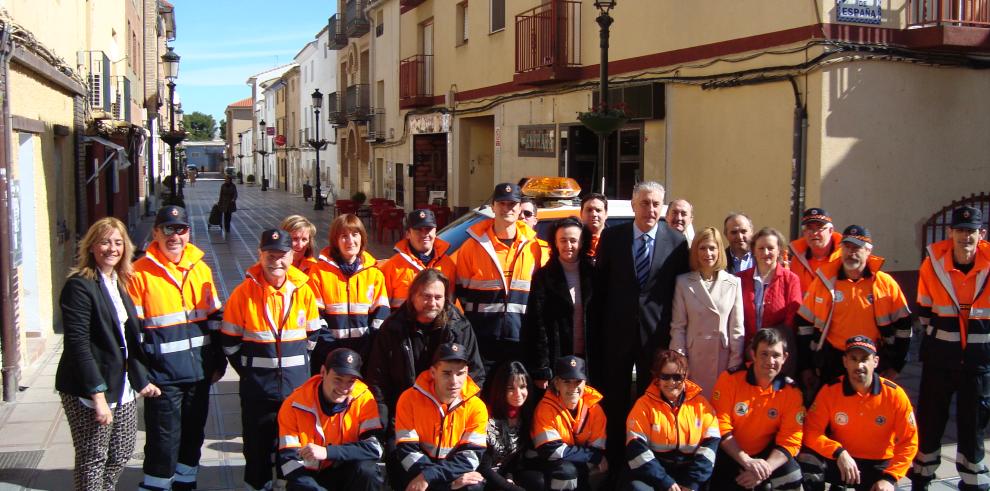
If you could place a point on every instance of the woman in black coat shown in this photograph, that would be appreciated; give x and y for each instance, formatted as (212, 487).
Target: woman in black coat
(556, 322)
(102, 369)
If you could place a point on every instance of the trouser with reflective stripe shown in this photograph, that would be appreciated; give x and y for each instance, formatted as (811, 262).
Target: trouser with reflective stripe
(819, 470)
(259, 422)
(787, 476)
(175, 424)
(361, 475)
(972, 412)
(563, 475)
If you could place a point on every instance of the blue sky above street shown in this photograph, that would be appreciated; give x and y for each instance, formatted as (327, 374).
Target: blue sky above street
(223, 42)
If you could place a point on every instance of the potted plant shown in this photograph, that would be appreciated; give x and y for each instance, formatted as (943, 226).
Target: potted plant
(250, 179)
(359, 198)
(604, 118)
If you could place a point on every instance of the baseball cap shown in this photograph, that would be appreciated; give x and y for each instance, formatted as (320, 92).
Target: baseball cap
(967, 217)
(507, 191)
(275, 240)
(861, 342)
(570, 368)
(815, 215)
(421, 218)
(171, 215)
(451, 352)
(344, 361)
(858, 235)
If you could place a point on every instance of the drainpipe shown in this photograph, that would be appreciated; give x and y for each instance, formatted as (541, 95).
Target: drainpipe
(798, 160)
(9, 337)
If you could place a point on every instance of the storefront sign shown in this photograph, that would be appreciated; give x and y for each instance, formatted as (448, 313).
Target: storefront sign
(858, 11)
(420, 124)
(537, 140)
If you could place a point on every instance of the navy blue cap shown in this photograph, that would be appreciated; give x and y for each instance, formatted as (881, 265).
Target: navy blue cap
(815, 215)
(275, 240)
(344, 361)
(421, 218)
(855, 234)
(570, 368)
(967, 217)
(507, 191)
(451, 352)
(171, 215)
(861, 342)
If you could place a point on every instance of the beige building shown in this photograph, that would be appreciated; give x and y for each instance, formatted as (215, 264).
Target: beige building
(764, 109)
(238, 117)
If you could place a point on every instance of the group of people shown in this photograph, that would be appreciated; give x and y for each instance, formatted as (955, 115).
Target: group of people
(625, 357)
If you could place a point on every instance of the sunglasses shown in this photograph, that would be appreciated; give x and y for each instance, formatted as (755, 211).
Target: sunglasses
(174, 229)
(676, 377)
(527, 213)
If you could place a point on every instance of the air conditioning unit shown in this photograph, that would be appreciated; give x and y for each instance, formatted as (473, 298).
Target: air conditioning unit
(97, 67)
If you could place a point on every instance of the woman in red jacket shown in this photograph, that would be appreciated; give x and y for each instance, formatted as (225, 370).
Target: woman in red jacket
(771, 292)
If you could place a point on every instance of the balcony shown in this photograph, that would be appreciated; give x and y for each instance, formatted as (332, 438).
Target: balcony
(948, 24)
(376, 126)
(409, 4)
(357, 105)
(548, 43)
(357, 23)
(335, 115)
(416, 81)
(335, 31)
(120, 106)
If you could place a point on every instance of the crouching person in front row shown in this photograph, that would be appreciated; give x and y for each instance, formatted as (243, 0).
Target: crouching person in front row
(441, 427)
(671, 432)
(329, 430)
(569, 428)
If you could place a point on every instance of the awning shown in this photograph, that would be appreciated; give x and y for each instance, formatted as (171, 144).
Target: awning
(117, 155)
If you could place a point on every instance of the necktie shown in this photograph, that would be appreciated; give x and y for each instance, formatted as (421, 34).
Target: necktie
(643, 260)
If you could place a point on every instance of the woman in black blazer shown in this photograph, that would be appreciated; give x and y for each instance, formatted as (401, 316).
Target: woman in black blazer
(556, 322)
(102, 369)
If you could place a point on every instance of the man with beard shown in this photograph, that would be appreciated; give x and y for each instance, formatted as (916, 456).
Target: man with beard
(954, 307)
(269, 325)
(441, 427)
(738, 229)
(852, 297)
(421, 249)
(860, 432)
(680, 215)
(760, 416)
(818, 246)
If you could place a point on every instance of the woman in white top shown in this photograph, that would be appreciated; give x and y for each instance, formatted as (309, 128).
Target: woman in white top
(707, 323)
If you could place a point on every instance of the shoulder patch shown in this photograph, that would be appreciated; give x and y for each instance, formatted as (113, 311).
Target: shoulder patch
(888, 383)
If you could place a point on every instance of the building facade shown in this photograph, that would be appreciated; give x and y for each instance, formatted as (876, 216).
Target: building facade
(318, 72)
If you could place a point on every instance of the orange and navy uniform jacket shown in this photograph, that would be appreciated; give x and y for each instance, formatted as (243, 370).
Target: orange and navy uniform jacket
(440, 441)
(805, 267)
(660, 435)
(759, 418)
(559, 434)
(401, 268)
(493, 279)
(352, 307)
(891, 326)
(878, 425)
(306, 264)
(954, 308)
(179, 311)
(349, 430)
(268, 334)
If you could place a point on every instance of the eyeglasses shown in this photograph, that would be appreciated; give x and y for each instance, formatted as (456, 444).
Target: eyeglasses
(676, 377)
(527, 213)
(175, 229)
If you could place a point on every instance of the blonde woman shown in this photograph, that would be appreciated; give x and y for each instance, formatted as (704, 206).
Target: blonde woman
(707, 323)
(303, 234)
(102, 369)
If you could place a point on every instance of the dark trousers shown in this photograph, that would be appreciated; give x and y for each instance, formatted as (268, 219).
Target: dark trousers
(787, 476)
(362, 475)
(227, 215)
(972, 412)
(175, 422)
(561, 474)
(616, 385)
(677, 472)
(819, 470)
(259, 422)
(403, 478)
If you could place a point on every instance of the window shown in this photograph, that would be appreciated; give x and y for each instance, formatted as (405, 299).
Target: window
(462, 23)
(379, 24)
(498, 15)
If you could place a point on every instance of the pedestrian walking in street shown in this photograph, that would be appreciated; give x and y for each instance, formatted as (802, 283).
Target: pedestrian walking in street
(103, 367)
(227, 201)
(269, 323)
(954, 308)
(303, 235)
(177, 302)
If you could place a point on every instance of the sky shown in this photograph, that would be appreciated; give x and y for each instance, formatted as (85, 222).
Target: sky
(223, 42)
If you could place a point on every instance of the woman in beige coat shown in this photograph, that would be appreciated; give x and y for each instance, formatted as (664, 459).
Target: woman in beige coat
(707, 323)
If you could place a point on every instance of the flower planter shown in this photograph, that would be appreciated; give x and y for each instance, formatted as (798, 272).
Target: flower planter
(602, 124)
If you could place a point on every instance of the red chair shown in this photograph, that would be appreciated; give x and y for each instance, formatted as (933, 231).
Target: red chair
(375, 202)
(378, 207)
(344, 206)
(391, 221)
(443, 215)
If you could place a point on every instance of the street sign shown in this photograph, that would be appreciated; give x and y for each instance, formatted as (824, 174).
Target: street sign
(858, 11)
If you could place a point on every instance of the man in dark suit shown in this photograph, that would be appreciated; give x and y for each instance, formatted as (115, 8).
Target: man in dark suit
(631, 309)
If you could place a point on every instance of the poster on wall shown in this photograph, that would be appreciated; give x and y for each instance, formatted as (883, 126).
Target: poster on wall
(537, 140)
(858, 11)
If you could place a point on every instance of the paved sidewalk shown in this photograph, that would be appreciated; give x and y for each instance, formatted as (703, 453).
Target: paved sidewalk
(35, 427)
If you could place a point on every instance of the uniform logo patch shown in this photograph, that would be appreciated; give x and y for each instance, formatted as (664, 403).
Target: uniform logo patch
(175, 212)
(301, 318)
(965, 214)
(911, 418)
(869, 298)
(839, 296)
(772, 413)
(508, 188)
(350, 358)
(716, 395)
(422, 214)
(371, 292)
(573, 363)
(799, 417)
(841, 419)
(819, 300)
(880, 420)
(741, 408)
(274, 235)
(456, 348)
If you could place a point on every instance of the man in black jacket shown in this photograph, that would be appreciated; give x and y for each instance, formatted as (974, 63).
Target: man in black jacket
(631, 308)
(404, 345)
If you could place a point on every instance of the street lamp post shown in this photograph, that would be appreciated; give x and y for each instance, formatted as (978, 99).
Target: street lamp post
(317, 144)
(240, 158)
(172, 137)
(604, 22)
(263, 152)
